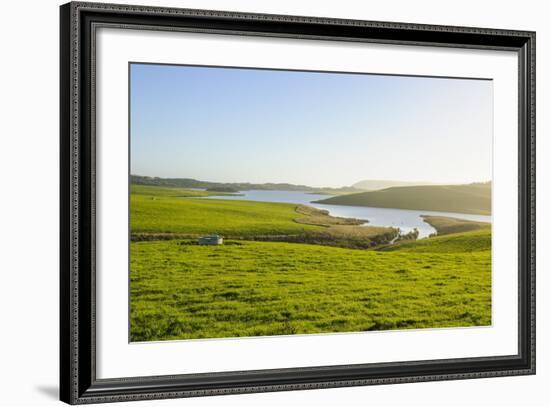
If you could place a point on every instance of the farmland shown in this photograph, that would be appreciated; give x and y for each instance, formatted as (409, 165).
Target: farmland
(182, 291)
(445, 225)
(168, 216)
(288, 269)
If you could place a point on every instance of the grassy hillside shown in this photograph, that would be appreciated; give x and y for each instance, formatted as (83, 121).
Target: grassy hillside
(471, 198)
(232, 186)
(467, 242)
(180, 290)
(446, 225)
(160, 213)
(202, 216)
(167, 191)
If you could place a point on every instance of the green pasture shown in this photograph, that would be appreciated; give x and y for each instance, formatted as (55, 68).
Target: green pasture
(180, 290)
(166, 214)
(165, 191)
(467, 242)
(446, 225)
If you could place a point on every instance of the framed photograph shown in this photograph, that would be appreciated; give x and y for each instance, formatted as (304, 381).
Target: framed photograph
(254, 203)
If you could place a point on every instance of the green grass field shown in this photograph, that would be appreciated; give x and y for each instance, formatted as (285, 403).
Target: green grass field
(164, 191)
(445, 225)
(166, 214)
(184, 291)
(180, 290)
(467, 242)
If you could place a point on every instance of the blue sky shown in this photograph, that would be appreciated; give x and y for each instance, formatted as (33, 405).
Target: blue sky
(318, 129)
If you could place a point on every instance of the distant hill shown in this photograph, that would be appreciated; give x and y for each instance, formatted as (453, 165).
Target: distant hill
(471, 198)
(232, 186)
(376, 184)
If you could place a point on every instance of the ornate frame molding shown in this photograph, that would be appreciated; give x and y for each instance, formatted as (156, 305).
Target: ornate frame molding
(77, 176)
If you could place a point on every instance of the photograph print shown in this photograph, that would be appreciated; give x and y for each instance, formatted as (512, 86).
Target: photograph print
(268, 202)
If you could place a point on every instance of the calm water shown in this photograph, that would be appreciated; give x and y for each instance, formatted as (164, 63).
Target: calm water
(404, 219)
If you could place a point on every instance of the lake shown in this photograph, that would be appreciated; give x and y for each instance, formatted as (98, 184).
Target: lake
(404, 219)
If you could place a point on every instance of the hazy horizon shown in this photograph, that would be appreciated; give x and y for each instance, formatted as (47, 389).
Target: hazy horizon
(232, 125)
(417, 182)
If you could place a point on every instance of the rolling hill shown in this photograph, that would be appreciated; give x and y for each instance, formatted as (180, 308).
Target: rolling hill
(234, 186)
(471, 198)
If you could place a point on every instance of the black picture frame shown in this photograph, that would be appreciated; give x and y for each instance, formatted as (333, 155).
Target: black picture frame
(78, 382)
